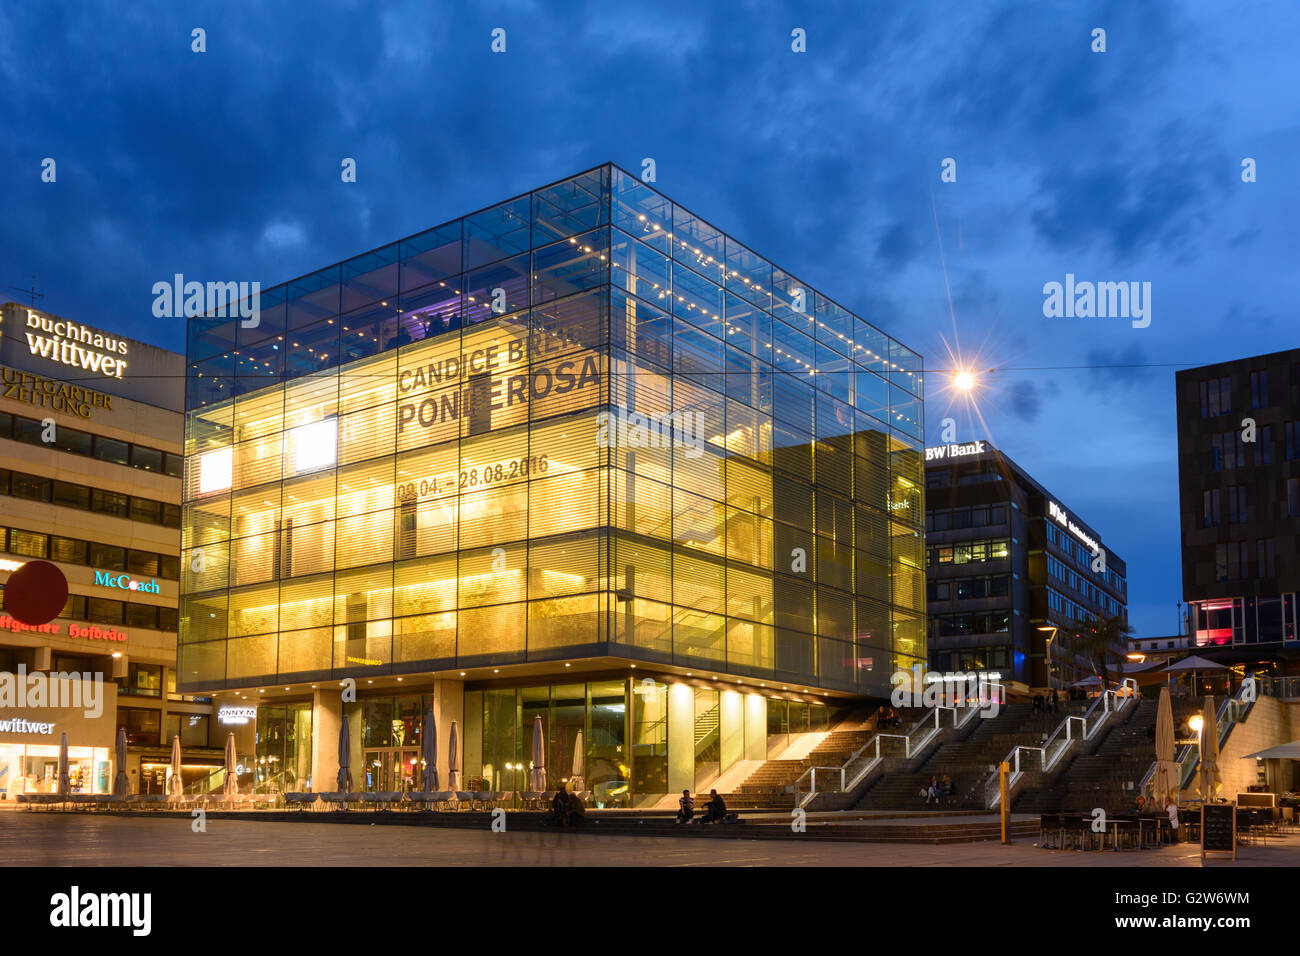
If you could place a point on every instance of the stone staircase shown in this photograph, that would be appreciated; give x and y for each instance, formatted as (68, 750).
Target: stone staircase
(968, 761)
(771, 786)
(1107, 774)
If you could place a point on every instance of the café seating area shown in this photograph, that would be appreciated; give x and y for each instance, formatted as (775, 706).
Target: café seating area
(1078, 830)
(441, 800)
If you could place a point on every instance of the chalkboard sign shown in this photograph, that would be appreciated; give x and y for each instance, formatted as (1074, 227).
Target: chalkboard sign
(1219, 828)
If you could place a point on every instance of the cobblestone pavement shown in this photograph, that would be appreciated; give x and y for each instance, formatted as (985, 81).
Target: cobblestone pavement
(56, 839)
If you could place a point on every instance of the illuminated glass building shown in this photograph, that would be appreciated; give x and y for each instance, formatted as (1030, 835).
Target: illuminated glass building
(579, 455)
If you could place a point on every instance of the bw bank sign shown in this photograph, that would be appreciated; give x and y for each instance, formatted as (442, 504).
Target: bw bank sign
(123, 583)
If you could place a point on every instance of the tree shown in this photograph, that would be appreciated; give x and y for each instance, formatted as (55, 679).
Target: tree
(1100, 639)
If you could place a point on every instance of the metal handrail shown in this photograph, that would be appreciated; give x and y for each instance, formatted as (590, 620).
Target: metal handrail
(1090, 723)
(1231, 712)
(915, 740)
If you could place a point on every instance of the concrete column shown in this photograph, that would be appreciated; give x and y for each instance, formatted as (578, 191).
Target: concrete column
(755, 727)
(449, 705)
(326, 719)
(681, 738)
(731, 728)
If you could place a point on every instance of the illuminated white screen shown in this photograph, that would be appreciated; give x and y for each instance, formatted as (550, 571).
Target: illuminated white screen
(215, 470)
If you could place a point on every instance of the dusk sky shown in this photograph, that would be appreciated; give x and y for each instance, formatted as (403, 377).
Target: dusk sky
(1123, 165)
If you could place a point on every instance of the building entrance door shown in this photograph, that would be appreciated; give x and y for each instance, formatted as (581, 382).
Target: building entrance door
(392, 769)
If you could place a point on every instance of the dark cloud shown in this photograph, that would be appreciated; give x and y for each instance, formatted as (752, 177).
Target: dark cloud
(226, 164)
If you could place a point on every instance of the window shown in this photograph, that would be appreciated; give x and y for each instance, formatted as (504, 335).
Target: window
(69, 550)
(142, 615)
(104, 611)
(75, 608)
(1292, 433)
(173, 465)
(1210, 508)
(28, 543)
(146, 459)
(143, 727)
(1237, 504)
(1293, 497)
(73, 440)
(1259, 388)
(110, 449)
(143, 509)
(28, 430)
(1264, 558)
(1264, 446)
(142, 562)
(107, 557)
(110, 503)
(31, 487)
(1236, 563)
(1216, 397)
(144, 680)
(71, 496)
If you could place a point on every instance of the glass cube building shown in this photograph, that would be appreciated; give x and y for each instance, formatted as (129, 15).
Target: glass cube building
(580, 456)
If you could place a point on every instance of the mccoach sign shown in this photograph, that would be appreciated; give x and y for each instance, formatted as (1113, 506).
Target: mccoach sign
(124, 583)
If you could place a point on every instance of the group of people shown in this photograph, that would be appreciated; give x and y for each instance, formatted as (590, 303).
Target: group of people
(1143, 805)
(887, 717)
(567, 809)
(1046, 703)
(940, 787)
(715, 811)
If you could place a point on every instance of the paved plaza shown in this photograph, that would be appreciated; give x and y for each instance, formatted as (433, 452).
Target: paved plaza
(59, 839)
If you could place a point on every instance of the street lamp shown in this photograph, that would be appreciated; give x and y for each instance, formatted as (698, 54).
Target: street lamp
(1053, 629)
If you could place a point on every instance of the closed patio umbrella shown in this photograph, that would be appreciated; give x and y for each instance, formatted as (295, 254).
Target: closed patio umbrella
(453, 756)
(1211, 780)
(577, 781)
(231, 787)
(1164, 785)
(64, 785)
(345, 756)
(537, 779)
(429, 751)
(175, 786)
(121, 783)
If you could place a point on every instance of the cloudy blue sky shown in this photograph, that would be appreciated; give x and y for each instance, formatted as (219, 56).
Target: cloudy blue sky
(1123, 165)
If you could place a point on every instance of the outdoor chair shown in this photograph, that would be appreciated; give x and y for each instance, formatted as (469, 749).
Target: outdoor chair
(465, 798)
(385, 800)
(334, 800)
(1049, 831)
(299, 800)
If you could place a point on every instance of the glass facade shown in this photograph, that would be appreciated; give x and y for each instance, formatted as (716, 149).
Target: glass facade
(583, 422)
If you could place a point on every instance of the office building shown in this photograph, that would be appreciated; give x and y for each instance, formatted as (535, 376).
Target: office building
(1010, 571)
(91, 427)
(1239, 503)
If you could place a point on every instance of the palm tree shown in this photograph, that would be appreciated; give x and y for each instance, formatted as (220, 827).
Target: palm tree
(1096, 641)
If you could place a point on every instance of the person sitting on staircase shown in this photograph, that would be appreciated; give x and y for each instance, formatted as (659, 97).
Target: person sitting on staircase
(687, 807)
(715, 811)
(945, 786)
(932, 790)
